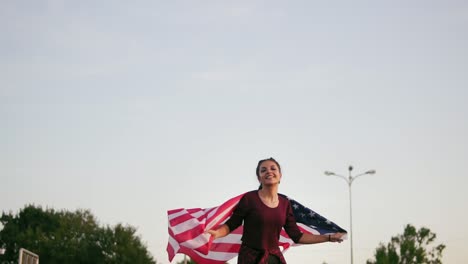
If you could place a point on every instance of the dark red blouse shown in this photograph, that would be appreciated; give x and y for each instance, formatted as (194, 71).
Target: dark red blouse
(263, 224)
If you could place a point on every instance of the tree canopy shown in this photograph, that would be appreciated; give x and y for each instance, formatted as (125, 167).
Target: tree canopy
(411, 247)
(190, 261)
(69, 237)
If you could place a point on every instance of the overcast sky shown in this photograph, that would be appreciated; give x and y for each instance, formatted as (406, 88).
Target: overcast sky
(132, 109)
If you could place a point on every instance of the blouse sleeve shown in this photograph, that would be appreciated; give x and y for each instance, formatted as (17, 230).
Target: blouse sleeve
(291, 227)
(238, 214)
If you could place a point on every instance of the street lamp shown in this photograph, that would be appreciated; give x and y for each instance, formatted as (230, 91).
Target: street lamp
(349, 180)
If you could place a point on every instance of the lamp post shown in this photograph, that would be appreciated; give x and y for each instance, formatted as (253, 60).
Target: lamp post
(349, 180)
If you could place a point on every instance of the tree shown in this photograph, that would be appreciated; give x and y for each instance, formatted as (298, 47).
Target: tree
(69, 237)
(409, 248)
(190, 261)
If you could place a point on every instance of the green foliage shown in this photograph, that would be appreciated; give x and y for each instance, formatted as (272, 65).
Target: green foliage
(409, 248)
(190, 261)
(69, 237)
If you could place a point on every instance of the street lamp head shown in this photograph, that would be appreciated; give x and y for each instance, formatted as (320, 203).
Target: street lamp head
(329, 173)
(370, 172)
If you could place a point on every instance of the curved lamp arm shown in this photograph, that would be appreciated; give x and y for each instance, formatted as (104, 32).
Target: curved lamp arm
(329, 173)
(370, 172)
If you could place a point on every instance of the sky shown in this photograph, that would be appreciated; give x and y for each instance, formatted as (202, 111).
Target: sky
(133, 109)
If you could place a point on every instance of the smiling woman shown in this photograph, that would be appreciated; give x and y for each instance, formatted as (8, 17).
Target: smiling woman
(264, 213)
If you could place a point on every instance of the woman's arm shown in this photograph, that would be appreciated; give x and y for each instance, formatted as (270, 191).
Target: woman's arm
(314, 239)
(222, 231)
(233, 222)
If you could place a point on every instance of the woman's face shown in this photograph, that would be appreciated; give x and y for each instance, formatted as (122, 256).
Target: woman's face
(269, 173)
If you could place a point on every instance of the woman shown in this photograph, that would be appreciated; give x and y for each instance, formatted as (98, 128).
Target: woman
(264, 214)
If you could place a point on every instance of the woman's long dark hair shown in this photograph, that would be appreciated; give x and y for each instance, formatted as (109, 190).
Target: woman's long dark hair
(260, 163)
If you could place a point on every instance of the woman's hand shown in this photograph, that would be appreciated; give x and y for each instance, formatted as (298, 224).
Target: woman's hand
(220, 232)
(214, 233)
(337, 237)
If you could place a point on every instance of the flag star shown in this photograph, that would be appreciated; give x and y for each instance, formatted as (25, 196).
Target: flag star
(295, 206)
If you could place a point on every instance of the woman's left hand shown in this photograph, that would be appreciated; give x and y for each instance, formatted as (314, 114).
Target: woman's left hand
(337, 237)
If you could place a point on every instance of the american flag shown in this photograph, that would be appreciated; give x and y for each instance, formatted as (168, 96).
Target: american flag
(187, 231)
